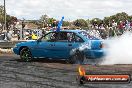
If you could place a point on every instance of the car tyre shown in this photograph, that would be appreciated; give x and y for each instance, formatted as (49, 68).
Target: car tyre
(77, 58)
(25, 54)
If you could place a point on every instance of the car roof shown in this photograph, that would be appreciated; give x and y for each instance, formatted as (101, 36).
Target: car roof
(75, 31)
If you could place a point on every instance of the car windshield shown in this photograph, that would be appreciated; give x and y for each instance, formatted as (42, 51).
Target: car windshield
(89, 35)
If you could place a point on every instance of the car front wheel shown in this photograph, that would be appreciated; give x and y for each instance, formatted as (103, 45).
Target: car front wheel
(25, 54)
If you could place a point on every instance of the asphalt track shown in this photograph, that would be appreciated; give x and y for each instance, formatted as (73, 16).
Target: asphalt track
(52, 74)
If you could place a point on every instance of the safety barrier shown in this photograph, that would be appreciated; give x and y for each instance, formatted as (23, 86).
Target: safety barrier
(9, 44)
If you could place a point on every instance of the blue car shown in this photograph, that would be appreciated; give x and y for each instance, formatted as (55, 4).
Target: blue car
(70, 45)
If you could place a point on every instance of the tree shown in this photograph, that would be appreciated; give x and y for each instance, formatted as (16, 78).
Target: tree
(1, 14)
(117, 17)
(80, 23)
(106, 20)
(66, 23)
(44, 20)
(9, 19)
(130, 18)
(96, 21)
(121, 16)
(52, 22)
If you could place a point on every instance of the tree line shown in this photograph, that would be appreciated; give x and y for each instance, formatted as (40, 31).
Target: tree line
(85, 23)
(46, 21)
(10, 20)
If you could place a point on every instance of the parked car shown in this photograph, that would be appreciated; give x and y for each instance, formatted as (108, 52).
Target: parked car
(71, 45)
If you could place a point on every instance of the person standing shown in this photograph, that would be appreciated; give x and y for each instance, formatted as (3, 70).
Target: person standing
(18, 36)
(127, 26)
(121, 27)
(114, 27)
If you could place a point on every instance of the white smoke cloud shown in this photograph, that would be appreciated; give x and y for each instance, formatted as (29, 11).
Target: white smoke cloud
(119, 50)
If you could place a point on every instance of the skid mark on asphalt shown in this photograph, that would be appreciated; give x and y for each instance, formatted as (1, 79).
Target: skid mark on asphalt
(46, 74)
(56, 82)
(8, 68)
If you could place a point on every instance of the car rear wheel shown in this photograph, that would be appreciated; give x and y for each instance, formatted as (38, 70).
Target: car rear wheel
(77, 58)
(25, 55)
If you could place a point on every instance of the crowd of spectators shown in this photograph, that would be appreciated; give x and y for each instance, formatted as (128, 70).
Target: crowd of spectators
(112, 29)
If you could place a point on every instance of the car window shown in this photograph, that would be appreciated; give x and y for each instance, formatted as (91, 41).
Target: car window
(78, 39)
(66, 37)
(62, 36)
(53, 36)
(70, 37)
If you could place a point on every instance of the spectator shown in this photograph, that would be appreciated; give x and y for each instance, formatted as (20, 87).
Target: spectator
(9, 35)
(101, 27)
(130, 25)
(114, 27)
(121, 27)
(18, 36)
(43, 32)
(34, 36)
(114, 24)
(127, 26)
(30, 36)
(111, 32)
(96, 27)
(102, 31)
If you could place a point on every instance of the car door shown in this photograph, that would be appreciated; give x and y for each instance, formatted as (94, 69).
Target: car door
(74, 43)
(66, 43)
(61, 46)
(46, 45)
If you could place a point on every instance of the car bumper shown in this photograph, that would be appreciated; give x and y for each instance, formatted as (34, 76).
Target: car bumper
(94, 54)
(16, 50)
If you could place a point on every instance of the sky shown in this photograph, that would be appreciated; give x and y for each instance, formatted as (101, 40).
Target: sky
(70, 9)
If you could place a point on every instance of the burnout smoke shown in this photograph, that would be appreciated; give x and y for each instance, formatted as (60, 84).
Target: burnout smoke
(81, 48)
(119, 50)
